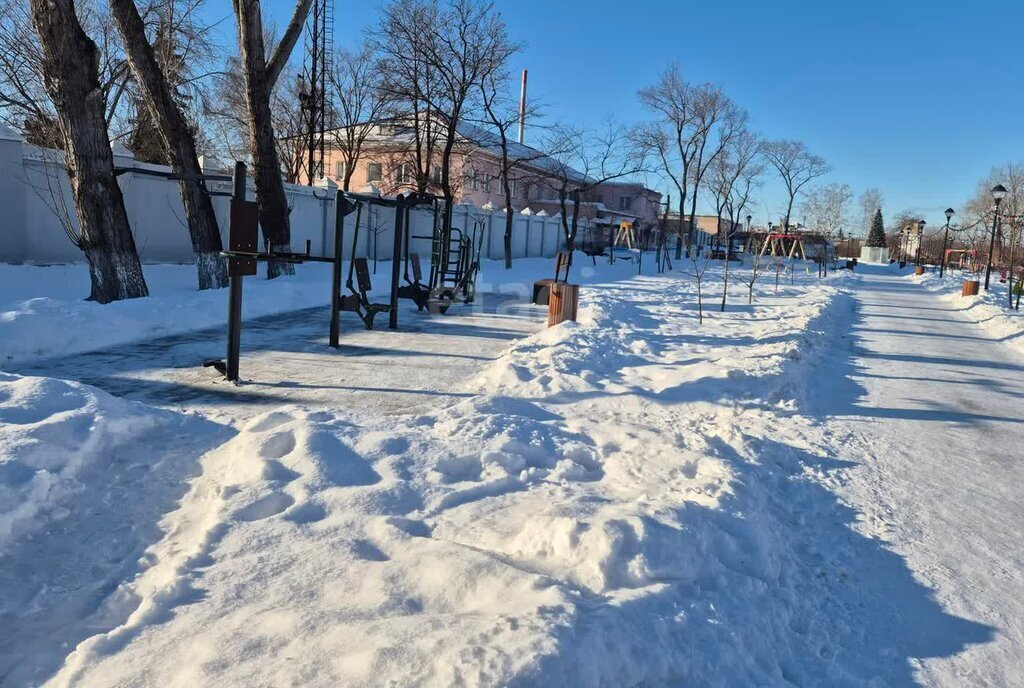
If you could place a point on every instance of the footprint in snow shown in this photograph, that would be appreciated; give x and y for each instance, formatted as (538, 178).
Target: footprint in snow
(278, 445)
(410, 526)
(366, 550)
(265, 507)
(310, 512)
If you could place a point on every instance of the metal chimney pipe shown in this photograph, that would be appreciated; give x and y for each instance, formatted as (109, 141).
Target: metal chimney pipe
(522, 109)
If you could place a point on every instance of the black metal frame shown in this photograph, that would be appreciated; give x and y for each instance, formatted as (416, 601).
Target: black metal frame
(446, 281)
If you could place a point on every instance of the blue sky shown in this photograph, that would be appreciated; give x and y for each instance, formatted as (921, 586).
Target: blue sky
(917, 98)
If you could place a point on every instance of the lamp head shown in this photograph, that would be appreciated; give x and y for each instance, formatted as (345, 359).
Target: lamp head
(998, 193)
(950, 213)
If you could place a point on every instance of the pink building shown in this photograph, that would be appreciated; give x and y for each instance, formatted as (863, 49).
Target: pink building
(386, 164)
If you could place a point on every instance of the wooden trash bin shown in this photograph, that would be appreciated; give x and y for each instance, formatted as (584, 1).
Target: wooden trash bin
(562, 302)
(970, 288)
(919, 270)
(542, 290)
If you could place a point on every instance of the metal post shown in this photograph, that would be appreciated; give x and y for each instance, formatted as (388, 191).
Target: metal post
(945, 240)
(339, 234)
(396, 259)
(235, 291)
(992, 244)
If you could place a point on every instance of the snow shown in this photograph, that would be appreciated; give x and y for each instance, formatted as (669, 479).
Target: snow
(989, 309)
(925, 403)
(43, 313)
(631, 499)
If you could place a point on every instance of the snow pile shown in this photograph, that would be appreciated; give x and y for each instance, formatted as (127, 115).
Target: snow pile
(609, 504)
(990, 309)
(84, 480)
(50, 431)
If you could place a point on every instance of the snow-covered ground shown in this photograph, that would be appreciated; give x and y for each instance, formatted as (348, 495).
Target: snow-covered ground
(627, 500)
(43, 313)
(990, 309)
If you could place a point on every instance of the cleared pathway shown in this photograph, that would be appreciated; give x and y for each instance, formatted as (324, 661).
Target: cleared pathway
(285, 360)
(931, 407)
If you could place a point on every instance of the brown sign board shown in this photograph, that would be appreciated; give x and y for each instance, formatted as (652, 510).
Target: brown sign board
(243, 237)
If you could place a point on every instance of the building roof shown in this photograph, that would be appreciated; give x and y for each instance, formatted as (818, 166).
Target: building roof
(489, 141)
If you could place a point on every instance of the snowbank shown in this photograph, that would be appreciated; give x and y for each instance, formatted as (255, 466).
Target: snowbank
(85, 479)
(50, 432)
(989, 309)
(606, 506)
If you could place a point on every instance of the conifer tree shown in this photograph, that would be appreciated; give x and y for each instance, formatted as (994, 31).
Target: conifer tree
(876, 237)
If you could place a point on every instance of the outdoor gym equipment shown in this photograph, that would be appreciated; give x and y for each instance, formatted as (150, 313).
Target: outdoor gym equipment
(454, 264)
(243, 256)
(358, 301)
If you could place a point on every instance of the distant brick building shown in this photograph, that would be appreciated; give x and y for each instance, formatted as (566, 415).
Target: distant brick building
(386, 164)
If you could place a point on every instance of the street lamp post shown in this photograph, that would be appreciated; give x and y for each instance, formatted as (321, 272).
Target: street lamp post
(945, 239)
(920, 240)
(998, 194)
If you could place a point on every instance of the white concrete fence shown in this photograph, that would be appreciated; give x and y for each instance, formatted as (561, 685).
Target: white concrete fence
(36, 204)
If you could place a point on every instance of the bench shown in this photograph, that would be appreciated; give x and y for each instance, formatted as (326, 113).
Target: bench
(358, 301)
(542, 287)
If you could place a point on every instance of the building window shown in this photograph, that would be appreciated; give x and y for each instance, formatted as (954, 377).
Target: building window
(435, 174)
(512, 187)
(403, 173)
(487, 183)
(625, 202)
(339, 170)
(373, 172)
(473, 183)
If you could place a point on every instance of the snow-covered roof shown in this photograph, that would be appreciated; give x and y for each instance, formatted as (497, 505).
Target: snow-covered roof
(489, 141)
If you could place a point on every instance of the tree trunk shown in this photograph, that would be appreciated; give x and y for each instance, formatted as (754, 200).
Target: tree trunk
(565, 216)
(273, 204)
(693, 218)
(178, 141)
(575, 220)
(509, 220)
(700, 303)
(70, 73)
(679, 244)
(725, 283)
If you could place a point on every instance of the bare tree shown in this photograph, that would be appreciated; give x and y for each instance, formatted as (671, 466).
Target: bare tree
(699, 263)
(978, 213)
(70, 69)
(696, 123)
(450, 50)
(260, 76)
(502, 117)
(581, 162)
(732, 178)
(826, 209)
(796, 166)
(410, 80)
(868, 202)
(361, 101)
(25, 103)
(177, 138)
